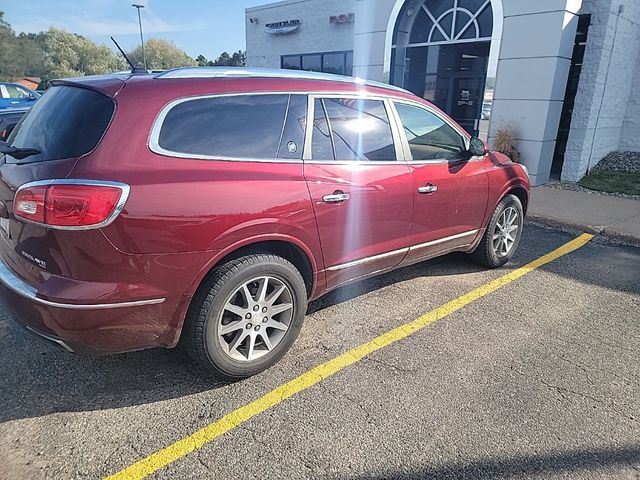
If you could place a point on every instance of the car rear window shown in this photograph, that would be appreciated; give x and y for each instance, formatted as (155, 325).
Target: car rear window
(237, 126)
(66, 122)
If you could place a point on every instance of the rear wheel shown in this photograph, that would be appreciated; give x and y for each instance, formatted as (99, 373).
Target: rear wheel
(502, 235)
(246, 316)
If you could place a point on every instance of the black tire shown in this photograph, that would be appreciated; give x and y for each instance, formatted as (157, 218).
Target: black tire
(200, 332)
(485, 253)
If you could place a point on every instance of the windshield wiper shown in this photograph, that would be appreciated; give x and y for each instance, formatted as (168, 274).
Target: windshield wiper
(17, 152)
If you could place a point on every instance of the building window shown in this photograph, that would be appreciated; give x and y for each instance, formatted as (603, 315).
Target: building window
(340, 63)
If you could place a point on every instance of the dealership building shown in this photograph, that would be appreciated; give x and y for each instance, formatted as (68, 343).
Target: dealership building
(566, 72)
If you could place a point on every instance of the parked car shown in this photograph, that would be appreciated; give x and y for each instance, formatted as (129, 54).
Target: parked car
(9, 118)
(14, 95)
(209, 205)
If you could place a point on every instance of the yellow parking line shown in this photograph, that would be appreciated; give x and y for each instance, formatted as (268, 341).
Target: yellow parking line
(196, 440)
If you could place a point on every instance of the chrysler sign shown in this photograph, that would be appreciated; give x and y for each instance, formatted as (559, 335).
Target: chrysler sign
(280, 28)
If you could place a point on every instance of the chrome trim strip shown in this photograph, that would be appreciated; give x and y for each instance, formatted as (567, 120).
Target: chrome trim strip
(401, 250)
(49, 338)
(442, 240)
(22, 288)
(124, 188)
(368, 259)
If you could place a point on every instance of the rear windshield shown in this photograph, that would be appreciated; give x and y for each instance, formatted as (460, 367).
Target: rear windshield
(65, 122)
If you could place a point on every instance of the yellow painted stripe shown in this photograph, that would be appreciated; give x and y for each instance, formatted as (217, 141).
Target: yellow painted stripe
(186, 445)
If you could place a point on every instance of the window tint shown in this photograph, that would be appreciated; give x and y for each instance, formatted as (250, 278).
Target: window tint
(292, 141)
(360, 130)
(321, 145)
(66, 122)
(429, 136)
(239, 126)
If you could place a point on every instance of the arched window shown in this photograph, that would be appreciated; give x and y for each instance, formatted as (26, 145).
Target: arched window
(443, 21)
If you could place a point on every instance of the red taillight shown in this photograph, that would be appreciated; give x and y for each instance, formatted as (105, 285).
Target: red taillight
(69, 205)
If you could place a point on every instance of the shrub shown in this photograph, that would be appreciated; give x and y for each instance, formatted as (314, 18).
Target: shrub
(505, 142)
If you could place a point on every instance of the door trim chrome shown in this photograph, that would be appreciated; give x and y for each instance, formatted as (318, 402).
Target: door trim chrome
(442, 240)
(405, 250)
(364, 260)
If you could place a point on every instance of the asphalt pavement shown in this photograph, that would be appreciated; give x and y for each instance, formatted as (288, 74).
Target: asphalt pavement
(539, 379)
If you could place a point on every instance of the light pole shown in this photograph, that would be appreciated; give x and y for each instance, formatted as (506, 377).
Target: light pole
(144, 57)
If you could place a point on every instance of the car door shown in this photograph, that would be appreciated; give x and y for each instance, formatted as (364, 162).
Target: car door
(18, 96)
(361, 192)
(450, 189)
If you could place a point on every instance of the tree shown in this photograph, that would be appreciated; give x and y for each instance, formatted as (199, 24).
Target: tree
(71, 55)
(161, 55)
(238, 59)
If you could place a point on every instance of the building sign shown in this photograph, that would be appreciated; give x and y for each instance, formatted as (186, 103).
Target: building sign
(281, 28)
(342, 18)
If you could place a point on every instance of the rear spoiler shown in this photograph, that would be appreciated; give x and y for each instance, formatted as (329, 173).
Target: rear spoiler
(108, 85)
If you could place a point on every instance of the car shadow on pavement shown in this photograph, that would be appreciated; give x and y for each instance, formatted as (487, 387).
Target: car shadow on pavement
(39, 379)
(573, 463)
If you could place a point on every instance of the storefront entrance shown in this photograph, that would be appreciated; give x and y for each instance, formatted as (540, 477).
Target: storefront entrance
(440, 52)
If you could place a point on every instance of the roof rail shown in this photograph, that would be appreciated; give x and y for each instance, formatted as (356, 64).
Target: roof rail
(257, 72)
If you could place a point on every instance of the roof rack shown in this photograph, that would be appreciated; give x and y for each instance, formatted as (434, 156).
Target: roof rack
(257, 72)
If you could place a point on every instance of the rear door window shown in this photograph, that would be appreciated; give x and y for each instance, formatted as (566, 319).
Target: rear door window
(359, 129)
(66, 122)
(237, 126)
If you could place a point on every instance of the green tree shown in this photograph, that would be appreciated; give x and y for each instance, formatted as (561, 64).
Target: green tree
(71, 55)
(161, 55)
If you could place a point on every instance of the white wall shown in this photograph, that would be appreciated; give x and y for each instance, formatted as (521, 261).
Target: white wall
(535, 56)
(315, 34)
(606, 115)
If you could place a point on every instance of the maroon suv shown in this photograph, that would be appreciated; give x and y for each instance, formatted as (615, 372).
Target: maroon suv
(208, 206)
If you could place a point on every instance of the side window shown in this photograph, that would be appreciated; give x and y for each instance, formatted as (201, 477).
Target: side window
(429, 136)
(16, 92)
(292, 141)
(321, 144)
(237, 126)
(359, 130)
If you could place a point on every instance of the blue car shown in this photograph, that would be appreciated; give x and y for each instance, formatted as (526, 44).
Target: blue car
(14, 95)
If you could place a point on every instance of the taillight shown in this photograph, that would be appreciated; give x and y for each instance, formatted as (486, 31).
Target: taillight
(70, 204)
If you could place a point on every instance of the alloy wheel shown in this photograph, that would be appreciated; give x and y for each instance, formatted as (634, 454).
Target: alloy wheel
(255, 318)
(506, 232)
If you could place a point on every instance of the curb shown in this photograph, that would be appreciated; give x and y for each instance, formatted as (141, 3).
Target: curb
(599, 231)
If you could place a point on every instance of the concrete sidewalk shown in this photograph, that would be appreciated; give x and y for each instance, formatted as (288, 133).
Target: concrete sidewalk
(614, 217)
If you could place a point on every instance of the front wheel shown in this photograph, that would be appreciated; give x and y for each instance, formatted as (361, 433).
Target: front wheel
(502, 235)
(246, 316)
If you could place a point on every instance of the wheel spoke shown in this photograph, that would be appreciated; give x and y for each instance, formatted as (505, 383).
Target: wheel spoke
(252, 344)
(235, 309)
(282, 307)
(266, 340)
(247, 294)
(231, 327)
(275, 295)
(277, 325)
(237, 341)
(262, 289)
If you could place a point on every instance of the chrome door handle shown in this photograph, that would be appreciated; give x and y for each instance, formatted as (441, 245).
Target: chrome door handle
(336, 197)
(428, 189)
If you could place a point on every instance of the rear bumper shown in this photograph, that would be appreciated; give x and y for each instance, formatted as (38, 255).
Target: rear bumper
(90, 327)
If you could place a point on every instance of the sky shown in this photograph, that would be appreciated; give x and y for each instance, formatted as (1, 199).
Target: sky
(207, 27)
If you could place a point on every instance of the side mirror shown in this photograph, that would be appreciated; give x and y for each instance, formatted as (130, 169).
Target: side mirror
(477, 148)
(32, 96)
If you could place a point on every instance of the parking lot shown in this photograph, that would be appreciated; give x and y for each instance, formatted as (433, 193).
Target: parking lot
(540, 378)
